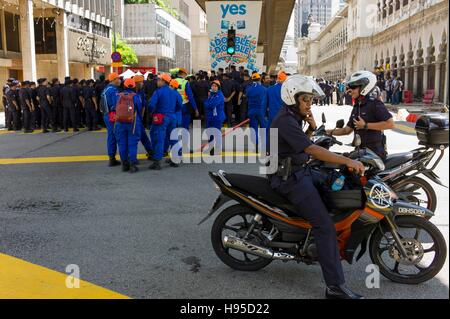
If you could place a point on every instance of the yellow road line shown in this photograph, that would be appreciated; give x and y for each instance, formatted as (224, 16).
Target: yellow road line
(20, 279)
(100, 158)
(405, 128)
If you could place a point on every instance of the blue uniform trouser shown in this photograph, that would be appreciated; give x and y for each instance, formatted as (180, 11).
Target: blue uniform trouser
(91, 117)
(128, 137)
(159, 133)
(217, 124)
(186, 121)
(112, 141)
(257, 120)
(309, 205)
(145, 140)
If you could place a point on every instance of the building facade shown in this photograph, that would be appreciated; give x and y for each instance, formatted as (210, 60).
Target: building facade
(307, 11)
(54, 38)
(408, 38)
(201, 58)
(161, 41)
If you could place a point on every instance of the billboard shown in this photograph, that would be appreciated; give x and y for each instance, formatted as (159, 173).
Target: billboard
(244, 17)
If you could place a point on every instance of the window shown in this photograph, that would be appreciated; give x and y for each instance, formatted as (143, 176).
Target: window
(45, 36)
(78, 22)
(12, 32)
(100, 29)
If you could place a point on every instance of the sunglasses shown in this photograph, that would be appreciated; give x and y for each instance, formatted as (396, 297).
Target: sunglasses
(353, 87)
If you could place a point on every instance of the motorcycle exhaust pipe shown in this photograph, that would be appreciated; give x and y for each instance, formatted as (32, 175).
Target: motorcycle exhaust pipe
(252, 249)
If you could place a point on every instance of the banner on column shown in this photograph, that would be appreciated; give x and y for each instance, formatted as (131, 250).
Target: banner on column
(244, 17)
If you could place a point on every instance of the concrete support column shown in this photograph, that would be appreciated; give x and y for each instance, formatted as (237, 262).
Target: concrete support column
(425, 78)
(27, 42)
(62, 46)
(416, 80)
(437, 80)
(406, 79)
(3, 27)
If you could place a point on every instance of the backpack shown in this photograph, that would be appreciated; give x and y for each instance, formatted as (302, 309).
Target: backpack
(125, 110)
(104, 109)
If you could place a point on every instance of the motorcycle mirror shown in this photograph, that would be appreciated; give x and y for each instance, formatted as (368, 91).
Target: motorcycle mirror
(340, 124)
(324, 119)
(357, 141)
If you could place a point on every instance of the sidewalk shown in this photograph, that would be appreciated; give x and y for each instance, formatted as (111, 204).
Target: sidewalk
(418, 108)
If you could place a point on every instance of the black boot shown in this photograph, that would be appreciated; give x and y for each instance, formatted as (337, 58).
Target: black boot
(341, 292)
(173, 164)
(150, 155)
(156, 166)
(126, 166)
(133, 168)
(113, 162)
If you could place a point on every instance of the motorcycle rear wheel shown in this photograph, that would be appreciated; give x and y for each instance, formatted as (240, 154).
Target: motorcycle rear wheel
(249, 262)
(418, 251)
(414, 184)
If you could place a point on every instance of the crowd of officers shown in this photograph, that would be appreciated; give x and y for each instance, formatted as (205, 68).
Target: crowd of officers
(229, 96)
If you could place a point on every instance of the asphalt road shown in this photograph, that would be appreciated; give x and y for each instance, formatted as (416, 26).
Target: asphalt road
(138, 234)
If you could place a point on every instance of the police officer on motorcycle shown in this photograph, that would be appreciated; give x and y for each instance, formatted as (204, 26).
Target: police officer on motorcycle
(299, 183)
(370, 116)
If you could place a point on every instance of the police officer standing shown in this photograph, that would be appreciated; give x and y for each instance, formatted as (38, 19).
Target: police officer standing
(8, 118)
(56, 106)
(44, 99)
(369, 117)
(26, 106)
(299, 187)
(68, 101)
(242, 99)
(13, 105)
(90, 105)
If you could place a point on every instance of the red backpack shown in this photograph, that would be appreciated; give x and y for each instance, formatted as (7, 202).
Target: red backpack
(125, 110)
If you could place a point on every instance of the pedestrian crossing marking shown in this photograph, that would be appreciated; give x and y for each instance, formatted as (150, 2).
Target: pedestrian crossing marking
(20, 279)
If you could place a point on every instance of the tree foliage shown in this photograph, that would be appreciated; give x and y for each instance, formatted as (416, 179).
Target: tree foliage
(129, 56)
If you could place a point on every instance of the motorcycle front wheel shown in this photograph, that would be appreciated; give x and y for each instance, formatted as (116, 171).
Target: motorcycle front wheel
(236, 221)
(425, 246)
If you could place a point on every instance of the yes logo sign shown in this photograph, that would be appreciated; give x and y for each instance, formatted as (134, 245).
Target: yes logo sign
(233, 9)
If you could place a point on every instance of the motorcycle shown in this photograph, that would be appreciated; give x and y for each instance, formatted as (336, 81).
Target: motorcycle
(262, 226)
(401, 171)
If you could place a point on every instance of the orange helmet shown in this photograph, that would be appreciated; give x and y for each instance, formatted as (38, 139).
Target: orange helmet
(282, 76)
(256, 76)
(165, 77)
(138, 78)
(183, 70)
(174, 84)
(129, 84)
(113, 76)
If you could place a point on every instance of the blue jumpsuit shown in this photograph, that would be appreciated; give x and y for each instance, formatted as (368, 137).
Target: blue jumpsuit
(129, 134)
(111, 100)
(145, 140)
(274, 103)
(164, 101)
(215, 113)
(256, 99)
(179, 119)
(186, 121)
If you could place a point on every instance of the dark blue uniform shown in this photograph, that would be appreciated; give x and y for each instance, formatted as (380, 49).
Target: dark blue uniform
(44, 103)
(24, 97)
(300, 189)
(68, 99)
(371, 110)
(89, 107)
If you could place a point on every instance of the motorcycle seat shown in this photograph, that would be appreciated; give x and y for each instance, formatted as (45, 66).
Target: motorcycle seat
(398, 159)
(260, 189)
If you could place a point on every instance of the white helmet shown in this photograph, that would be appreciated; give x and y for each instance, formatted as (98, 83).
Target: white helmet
(366, 80)
(299, 84)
